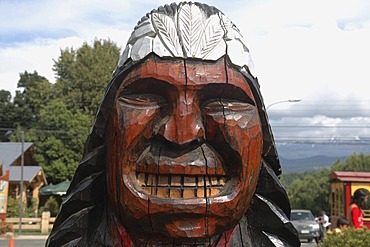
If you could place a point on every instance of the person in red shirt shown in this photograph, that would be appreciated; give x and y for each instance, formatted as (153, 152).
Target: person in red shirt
(359, 200)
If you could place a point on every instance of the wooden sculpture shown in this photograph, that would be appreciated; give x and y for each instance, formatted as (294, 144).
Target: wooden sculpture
(181, 153)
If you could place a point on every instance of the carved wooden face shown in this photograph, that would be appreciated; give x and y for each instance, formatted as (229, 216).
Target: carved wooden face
(184, 147)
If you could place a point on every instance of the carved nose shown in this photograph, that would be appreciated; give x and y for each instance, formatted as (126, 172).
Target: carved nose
(183, 126)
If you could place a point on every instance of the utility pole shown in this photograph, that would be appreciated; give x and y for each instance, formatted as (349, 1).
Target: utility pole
(21, 185)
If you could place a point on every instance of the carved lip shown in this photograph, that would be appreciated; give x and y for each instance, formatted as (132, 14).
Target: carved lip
(198, 173)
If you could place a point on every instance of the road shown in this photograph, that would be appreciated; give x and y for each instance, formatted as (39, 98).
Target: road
(24, 241)
(305, 244)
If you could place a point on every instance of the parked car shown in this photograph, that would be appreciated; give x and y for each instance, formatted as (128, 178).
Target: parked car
(305, 224)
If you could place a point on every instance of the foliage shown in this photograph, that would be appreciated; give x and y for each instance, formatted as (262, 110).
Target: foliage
(13, 209)
(359, 163)
(52, 206)
(310, 192)
(288, 178)
(82, 75)
(37, 91)
(60, 144)
(348, 238)
(7, 114)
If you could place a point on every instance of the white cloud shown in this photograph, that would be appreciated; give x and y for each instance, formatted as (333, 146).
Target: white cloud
(320, 128)
(36, 56)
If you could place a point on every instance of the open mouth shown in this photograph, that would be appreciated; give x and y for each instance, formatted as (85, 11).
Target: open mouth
(179, 186)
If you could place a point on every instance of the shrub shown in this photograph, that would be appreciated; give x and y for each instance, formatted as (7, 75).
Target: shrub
(348, 238)
(13, 208)
(52, 205)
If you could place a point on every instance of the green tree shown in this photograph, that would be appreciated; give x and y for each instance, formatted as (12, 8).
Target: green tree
(311, 192)
(59, 137)
(355, 163)
(37, 92)
(83, 74)
(7, 114)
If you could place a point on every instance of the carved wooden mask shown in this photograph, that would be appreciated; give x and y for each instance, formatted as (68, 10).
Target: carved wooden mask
(184, 149)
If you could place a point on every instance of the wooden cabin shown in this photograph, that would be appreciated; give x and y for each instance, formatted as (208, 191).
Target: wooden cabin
(33, 175)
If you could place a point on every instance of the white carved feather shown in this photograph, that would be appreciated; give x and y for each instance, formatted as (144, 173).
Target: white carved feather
(227, 25)
(211, 37)
(167, 32)
(187, 33)
(190, 24)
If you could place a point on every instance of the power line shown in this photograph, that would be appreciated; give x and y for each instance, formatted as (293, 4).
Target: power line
(321, 126)
(348, 143)
(40, 130)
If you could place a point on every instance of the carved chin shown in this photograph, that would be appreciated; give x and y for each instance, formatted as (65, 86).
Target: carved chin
(192, 195)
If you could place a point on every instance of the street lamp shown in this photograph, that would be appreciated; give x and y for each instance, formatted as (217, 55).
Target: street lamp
(283, 101)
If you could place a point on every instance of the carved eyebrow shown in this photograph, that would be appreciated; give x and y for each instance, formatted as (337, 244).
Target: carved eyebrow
(223, 91)
(147, 85)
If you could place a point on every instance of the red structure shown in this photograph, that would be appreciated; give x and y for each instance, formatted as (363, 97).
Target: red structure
(4, 188)
(342, 187)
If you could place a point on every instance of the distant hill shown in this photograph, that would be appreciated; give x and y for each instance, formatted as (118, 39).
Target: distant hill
(308, 164)
(300, 157)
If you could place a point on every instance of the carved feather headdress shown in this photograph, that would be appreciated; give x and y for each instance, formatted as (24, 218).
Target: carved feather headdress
(187, 30)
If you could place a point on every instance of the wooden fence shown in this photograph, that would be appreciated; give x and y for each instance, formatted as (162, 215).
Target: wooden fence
(43, 224)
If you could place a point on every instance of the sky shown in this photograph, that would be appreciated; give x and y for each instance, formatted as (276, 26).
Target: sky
(316, 51)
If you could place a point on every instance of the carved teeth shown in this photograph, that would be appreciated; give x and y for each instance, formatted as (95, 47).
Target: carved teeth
(175, 180)
(180, 186)
(188, 193)
(189, 181)
(175, 193)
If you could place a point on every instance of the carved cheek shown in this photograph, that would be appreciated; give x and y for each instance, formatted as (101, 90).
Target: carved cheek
(127, 127)
(135, 124)
(254, 156)
(250, 143)
(242, 133)
(237, 128)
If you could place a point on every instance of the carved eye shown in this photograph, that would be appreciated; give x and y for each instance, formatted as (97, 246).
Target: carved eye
(228, 106)
(142, 101)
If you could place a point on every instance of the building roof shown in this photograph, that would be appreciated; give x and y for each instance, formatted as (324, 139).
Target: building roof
(10, 154)
(11, 151)
(350, 176)
(29, 173)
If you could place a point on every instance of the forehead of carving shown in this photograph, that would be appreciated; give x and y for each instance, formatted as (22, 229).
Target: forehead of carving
(201, 72)
(170, 71)
(192, 73)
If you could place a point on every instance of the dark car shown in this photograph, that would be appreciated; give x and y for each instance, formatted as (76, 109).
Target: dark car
(305, 224)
